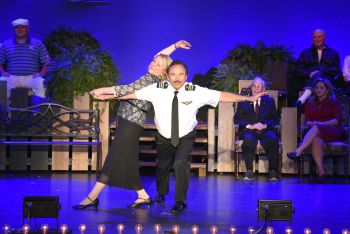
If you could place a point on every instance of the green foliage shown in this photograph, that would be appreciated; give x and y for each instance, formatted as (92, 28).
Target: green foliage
(78, 65)
(62, 40)
(259, 57)
(244, 62)
(227, 76)
(78, 71)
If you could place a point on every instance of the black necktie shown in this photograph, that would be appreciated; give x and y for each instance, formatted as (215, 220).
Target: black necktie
(175, 121)
(257, 110)
(257, 107)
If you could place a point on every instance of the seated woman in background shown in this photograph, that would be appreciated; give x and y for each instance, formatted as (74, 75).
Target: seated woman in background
(323, 114)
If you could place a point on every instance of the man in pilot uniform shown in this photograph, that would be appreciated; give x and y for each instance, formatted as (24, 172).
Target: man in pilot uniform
(176, 103)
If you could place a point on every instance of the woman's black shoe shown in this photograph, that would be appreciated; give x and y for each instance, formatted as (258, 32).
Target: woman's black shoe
(94, 203)
(147, 202)
(292, 155)
(321, 179)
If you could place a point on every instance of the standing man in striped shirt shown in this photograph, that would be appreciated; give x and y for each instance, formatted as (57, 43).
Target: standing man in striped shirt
(24, 60)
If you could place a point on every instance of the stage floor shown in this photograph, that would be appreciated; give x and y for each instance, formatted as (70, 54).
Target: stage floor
(219, 200)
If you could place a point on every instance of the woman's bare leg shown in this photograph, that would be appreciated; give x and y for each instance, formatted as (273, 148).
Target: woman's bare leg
(307, 140)
(93, 195)
(142, 195)
(317, 154)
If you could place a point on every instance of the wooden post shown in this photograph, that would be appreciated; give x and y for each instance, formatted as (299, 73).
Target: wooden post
(60, 153)
(2, 157)
(225, 138)
(211, 140)
(80, 154)
(104, 128)
(3, 104)
(289, 135)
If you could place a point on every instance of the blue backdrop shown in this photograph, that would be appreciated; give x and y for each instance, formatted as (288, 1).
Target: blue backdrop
(135, 30)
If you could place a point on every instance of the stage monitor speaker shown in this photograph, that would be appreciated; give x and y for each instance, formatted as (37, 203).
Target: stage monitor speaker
(41, 207)
(279, 210)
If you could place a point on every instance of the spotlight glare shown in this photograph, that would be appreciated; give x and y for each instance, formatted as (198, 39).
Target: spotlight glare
(214, 229)
(269, 230)
(26, 228)
(289, 230)
(326, 231)
(157, 227)
(6, 228)
(307, 230)
(233, 229)
(251, 230)
(138, 228)
(195, 229)
(82, 228)
(120, 228)
(345, 231)
(101, 228)
(64, 228)
(176, 229)
(44, 228)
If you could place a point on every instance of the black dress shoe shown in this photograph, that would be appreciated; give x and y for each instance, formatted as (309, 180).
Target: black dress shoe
(159, 200)
(292, 155)
(179, 207)
(94, 203)
(273, 175)
(147, 202)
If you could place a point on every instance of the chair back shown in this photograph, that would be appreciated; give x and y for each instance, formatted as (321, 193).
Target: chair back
(244, 85)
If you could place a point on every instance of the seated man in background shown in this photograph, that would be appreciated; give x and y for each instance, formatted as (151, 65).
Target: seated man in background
(24, 60)
(318, 61)
(257, 122)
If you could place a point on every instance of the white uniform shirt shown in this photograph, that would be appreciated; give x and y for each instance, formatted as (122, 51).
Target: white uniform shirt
(189, 103)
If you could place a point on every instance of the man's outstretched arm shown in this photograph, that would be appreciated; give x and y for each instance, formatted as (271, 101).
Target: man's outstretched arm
(231, 97)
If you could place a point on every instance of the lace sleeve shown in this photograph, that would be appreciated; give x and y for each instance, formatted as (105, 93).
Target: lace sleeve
(144, 81)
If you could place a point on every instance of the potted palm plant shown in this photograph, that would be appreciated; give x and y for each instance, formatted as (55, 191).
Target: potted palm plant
(244, 62)
(78, 65)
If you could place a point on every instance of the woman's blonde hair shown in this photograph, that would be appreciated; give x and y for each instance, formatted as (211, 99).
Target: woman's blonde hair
(166, 61)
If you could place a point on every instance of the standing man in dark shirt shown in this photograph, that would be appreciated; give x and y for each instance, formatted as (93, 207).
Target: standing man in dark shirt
(318, 61)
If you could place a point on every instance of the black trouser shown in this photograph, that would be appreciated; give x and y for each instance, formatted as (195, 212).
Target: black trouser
(269, 142)
(179, 157)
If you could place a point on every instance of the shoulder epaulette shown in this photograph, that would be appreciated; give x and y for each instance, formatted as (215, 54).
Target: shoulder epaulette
(189, 87)
(162, 85)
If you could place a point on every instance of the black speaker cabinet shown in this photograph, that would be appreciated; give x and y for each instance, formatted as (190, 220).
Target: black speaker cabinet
(280, 210)
(41, 207)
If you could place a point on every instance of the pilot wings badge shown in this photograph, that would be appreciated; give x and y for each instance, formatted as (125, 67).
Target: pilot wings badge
(187, 102)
